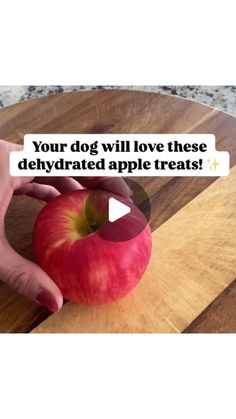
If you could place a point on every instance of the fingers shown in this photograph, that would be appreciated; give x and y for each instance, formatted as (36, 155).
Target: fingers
(29, 280)
(68, 184)
(116, 185)
(49, 188)
(44, 192)
(112, 184)
(62, 184)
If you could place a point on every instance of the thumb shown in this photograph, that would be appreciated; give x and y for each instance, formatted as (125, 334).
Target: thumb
(29, 279)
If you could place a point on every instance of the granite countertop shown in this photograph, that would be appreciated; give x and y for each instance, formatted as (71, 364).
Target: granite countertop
(221, 97)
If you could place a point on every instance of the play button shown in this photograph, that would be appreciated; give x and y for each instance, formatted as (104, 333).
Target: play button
(116, 218)
(116, 210)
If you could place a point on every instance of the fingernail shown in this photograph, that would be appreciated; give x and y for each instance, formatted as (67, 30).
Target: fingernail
(45, 298)
(117, 185)
(131, 192)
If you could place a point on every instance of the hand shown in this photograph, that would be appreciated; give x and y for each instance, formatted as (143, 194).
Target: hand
(23, 275)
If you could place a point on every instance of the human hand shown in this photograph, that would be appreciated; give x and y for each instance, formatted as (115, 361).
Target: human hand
(21, 274)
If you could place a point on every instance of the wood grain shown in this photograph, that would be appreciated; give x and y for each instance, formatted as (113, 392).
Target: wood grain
(219, 316)
(101, 111)
(193, 260)
(117, 112)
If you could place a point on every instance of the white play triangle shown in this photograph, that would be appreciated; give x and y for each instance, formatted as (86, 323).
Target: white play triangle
(116, 209)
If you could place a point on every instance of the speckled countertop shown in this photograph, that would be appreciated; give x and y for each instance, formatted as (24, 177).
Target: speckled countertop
(221, 97)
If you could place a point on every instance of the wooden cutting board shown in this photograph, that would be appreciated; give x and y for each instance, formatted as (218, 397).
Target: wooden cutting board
(189, 285)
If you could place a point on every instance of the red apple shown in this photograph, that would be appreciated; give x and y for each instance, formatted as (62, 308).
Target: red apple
(92, 260)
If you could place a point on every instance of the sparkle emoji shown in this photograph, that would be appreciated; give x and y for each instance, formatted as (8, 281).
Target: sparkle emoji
(212, 164)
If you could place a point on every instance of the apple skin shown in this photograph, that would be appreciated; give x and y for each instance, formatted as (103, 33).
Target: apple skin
(91, 269)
